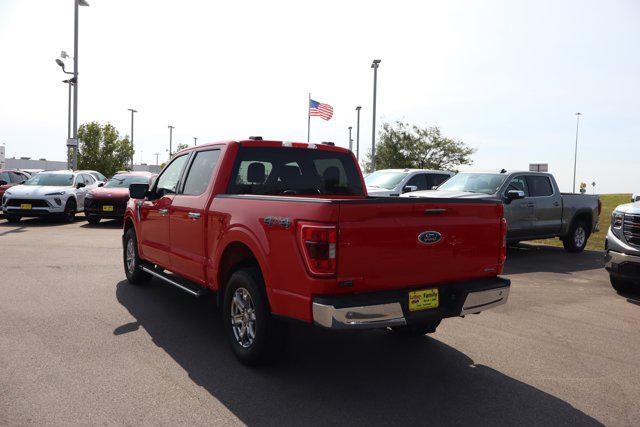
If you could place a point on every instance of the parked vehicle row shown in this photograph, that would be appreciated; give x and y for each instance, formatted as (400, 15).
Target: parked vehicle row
(394, 182)
(62, 194)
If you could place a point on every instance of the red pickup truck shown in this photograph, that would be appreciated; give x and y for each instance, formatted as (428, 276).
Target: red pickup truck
(280, 230)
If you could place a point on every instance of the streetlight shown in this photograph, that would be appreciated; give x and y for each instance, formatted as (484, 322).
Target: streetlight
(575, 157)
(170, 141)
(195, 141)
(69, 83)
(358, 108)
(76, 4)
(350, 140)
(375, 64)
(132, 113)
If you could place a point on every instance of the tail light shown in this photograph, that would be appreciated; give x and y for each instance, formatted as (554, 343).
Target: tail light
(599, 206)
(318, 243)
(503, 248)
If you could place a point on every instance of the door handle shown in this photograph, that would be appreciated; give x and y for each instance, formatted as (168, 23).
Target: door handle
(530, 205)
(556, 204)
(194, 215)
(434, 211)
(163, 211)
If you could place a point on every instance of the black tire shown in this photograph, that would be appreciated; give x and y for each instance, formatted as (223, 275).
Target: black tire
(135, 275)
(13, 219)
(576, 239)
(93, 220)
(620, 285)
(70, 210)
(263, 334)
(417, 330)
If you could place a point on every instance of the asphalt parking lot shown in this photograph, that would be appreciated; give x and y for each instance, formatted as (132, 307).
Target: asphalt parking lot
(78, 345)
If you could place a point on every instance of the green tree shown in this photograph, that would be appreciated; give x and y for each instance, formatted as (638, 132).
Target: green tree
(181, 146)
(102, 149)
(401, 145)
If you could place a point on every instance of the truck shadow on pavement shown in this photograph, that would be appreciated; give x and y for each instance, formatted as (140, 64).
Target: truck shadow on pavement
(337, 378)
(530, 258)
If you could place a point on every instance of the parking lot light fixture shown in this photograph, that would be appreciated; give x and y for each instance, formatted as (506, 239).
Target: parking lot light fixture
(170, 141)
(132, 113)
(575, 156)
(358, 108)
(375, 64)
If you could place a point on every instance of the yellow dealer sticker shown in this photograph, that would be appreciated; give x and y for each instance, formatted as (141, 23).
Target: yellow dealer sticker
(424, 299)
(107, 208)
(25, 206)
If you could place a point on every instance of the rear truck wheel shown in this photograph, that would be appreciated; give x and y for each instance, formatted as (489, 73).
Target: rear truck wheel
(70, 210)
(576, 239)
(417, 330)
(256, 337)
(620, 285)
(131, 259)
(93, 220)
(13, 219)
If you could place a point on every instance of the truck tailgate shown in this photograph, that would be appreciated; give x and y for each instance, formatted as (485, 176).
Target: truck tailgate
(379, 245)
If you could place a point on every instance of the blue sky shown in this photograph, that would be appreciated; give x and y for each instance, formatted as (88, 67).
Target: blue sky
(505, 77)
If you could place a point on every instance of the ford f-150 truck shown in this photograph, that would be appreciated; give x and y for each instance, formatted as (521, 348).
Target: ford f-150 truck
(281, 230)
(534, 206)
(622, 247)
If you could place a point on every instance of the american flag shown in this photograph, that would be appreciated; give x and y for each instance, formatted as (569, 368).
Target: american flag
(319, 109)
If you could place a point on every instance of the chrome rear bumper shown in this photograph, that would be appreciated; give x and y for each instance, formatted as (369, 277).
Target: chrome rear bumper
(392, 313)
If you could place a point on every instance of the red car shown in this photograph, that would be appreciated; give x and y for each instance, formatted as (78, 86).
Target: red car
(281, 230)
(110, 200)
(9, 178)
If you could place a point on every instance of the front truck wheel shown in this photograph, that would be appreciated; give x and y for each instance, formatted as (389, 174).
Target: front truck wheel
(416, 330)
(620, 285)
(131, 259)
(256, 337)
(576, 239)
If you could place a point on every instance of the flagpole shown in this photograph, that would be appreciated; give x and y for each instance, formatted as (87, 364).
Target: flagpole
(308, 118)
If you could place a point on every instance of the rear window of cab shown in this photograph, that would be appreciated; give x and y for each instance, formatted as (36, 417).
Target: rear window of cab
(294, 171)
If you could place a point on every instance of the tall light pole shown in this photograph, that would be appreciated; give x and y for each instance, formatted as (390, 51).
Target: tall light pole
(350, 140)
(170, 141)
(375, 64)
(575, 157)
(156, 154)
(358, 108)
(69, 83)
(195, 141)
(132, 113)
(76, 6)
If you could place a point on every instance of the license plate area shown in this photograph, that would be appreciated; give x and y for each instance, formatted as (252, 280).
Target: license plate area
(25, 206)
(424, 299)
(107, 208)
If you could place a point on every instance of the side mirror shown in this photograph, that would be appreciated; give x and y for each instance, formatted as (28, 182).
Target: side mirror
(100, 184)
(409, 188)
(514, 195)
(3, 182)
(138, 191)
(80, 185)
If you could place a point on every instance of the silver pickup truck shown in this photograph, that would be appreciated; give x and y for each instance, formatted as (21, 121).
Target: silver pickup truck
(534, 206)
(622, 246)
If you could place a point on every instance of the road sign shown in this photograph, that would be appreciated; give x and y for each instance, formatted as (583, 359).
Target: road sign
(538, 167)
(72, 142)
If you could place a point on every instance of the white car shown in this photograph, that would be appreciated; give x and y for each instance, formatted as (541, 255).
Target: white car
(58, 193)
(635, 197)
(394, 182)
(97, 175)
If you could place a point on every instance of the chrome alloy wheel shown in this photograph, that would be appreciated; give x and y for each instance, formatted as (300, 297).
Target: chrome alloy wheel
(243, 317)
(131, 257)
(579, 237)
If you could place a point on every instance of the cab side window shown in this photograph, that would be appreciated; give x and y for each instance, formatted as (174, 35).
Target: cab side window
(539, 186)
(435, 179)
(420, 181)
(88, 179)
(79, 180)
(519, 183)
(200, 172)
(168, 180)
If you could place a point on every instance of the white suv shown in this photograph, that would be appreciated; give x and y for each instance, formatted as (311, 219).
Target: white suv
(58, 193)
(394, 182)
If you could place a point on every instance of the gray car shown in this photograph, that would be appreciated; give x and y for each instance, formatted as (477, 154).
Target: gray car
(622, 246)
(393, 182)
(534, 207)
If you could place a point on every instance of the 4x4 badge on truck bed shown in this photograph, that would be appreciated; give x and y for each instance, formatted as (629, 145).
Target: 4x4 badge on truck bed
(276, 220)
(429, 237)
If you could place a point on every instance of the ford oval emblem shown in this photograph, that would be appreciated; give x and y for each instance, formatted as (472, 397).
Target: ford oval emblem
(429, 237)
